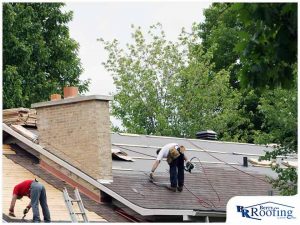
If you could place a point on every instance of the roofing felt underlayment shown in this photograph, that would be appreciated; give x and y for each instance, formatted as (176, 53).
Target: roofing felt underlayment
(20, 166)
(143, 148)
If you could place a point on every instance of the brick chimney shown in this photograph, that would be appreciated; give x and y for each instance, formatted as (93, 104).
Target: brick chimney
(78, 131)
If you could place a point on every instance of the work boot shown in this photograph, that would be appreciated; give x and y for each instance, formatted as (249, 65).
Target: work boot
(172, 188)
(179, 189)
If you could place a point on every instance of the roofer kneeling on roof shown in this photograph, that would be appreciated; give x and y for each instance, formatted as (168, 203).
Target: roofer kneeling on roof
(174, 154)
(37, 194)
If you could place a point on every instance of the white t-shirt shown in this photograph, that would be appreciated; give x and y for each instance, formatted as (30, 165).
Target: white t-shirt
(165, 150)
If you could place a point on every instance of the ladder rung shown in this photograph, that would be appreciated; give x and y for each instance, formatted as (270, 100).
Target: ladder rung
(69, 204)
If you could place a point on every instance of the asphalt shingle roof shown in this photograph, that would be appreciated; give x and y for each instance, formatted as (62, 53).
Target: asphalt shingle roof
(201, 192)
(203, 185)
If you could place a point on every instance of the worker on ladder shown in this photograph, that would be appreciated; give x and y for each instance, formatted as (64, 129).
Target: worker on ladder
(37, 194)
(175, 156)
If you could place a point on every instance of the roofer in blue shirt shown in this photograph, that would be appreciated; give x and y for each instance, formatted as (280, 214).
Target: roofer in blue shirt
(174, 154)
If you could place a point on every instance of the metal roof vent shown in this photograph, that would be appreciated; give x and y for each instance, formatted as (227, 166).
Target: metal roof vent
(206, 135)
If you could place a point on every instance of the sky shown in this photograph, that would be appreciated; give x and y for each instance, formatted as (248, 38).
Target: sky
(111, 19)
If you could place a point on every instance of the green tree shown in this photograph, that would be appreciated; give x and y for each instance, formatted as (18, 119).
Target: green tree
(39, 57)
(204, 98)
(268, 64)
(258, 44)
(279, 109)
(267, 44)
(144, 74)
(219, 34)
(253, 38)
(164, 89)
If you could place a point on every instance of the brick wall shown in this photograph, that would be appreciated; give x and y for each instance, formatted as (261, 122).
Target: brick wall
(78, 132)
(70, 178)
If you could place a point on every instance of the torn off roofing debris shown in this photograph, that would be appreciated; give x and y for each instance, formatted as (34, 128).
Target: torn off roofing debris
(219, 172)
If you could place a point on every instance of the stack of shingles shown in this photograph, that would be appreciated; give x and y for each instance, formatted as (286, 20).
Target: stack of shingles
(20, 116)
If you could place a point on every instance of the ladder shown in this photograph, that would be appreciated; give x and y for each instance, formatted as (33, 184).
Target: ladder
(69, 203)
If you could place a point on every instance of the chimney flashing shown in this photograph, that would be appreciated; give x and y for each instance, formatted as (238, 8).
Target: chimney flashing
(72, 100)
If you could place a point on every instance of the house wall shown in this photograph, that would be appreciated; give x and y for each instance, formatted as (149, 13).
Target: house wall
(78, 131)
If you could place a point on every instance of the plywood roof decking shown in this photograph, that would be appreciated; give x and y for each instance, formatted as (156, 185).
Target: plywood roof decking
(30, 163)
(14, 174)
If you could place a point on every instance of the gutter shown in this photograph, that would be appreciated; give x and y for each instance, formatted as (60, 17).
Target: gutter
(142, 211)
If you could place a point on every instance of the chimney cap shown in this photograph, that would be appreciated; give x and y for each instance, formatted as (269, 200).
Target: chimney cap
(72, 100)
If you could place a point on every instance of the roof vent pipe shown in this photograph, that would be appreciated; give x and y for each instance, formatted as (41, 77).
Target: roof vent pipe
(206, 135)
(245, 161)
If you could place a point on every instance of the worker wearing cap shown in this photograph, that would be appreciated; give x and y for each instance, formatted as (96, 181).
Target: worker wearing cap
(175, 156)
(37, 194)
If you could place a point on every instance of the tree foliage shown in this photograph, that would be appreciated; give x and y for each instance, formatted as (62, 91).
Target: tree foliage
(220, 33)
(279, 109)
(262, 48)
(144, 74)
(268, 44)
(168, 88)
(268, 57)
(234, 73)
(39, 57)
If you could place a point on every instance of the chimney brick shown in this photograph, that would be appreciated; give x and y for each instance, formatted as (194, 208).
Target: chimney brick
(78, 131)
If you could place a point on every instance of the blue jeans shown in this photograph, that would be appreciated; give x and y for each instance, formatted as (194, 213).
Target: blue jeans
(177, 171)
(38, 195)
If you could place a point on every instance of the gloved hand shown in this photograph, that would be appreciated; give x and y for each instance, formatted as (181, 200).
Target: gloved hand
(151, 175)
(11, 213)
(25, 211)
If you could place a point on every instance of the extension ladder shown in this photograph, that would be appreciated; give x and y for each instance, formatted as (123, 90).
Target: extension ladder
(69, 203)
